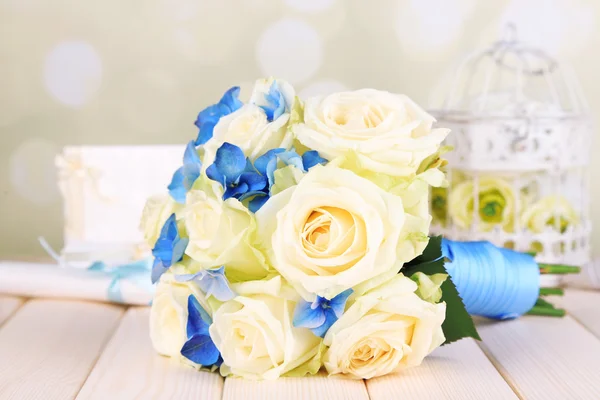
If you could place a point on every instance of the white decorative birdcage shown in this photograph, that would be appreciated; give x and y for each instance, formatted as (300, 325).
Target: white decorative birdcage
(518, 171)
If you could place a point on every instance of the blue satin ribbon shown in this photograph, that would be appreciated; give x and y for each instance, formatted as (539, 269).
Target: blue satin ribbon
(493, 282)
(137, 272)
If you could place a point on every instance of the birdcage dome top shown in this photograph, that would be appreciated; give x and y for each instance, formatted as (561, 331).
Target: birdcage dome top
(512, 79)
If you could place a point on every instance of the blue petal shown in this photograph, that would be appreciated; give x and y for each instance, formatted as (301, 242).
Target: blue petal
(235, 191)
(253, 180)
(184, 178)
(169, 247)
(191, 172)
(169, 229)
(210, 116)
(330, 319)
(214, 283)
(213, 173)
(201, 350)
(230, 99)
(230, 162)
(338, 303)
(261, 162)
(163, 250)
(190, 156)
(275, 106)
(206, 121)
(198, 319)
(157, 270)
(307, 317)
(176, 188)
(179, 247)
(312, 158)
(188, 277)
(256, 203)
(292, 158)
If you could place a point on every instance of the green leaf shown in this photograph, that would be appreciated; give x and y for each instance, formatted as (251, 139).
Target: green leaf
(458, 323)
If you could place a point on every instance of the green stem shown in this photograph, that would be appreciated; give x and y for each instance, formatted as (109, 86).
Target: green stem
(558, 269)
(546, 291)
(543, 303)
(531, 253)
(547, 312)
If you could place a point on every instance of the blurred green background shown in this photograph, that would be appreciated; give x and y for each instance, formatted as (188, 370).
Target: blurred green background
(137, 72)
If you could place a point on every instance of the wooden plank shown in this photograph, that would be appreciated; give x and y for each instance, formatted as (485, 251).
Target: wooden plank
(583, 305)
(48, 347)
(8, 305)
(129, 368)
(544, 357)
(315, 387)
(457, 371)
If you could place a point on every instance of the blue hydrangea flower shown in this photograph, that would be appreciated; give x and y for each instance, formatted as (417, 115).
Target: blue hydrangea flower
(275, 106)
(210, 116)
(169, 248)
(267, 164)
(237, 175)
(319, 315)
(212, 282)
(185, 176)
(199, 347)
(312, 158)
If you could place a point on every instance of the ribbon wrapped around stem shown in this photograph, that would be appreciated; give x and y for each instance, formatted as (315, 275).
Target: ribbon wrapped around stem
(499, 283)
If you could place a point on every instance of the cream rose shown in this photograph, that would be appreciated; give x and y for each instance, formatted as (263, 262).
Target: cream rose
(385, 330)
(221, 233)
(156, 211)
(248, 127)
(255, 335)
(390, 133)
(336, 230)
(169, 314)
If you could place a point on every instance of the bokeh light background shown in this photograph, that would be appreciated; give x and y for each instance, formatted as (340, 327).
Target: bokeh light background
(138, 71)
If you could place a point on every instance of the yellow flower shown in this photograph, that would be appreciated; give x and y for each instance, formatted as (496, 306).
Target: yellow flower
(156, 211)
(545, 212)
(221, 233)
(248, 127)
(439, 206)
(496, 204)
(169, 314)
(390, 133)
(387, 329)
(255, 334)
(336, 230)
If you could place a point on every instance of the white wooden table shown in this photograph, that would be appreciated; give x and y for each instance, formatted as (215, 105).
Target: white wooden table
(54, 349)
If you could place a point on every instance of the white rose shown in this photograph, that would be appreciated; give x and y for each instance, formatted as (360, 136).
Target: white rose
(387, 329)
(390, 133)
(156, 211)
(169, 314)
(221, 233)
(255, 335)
(336, 230)
(248, 127)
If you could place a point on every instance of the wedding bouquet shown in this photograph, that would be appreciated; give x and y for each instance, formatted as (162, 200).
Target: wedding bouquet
(295, 237)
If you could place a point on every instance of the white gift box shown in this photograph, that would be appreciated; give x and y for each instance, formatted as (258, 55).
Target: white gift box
(104, 190)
